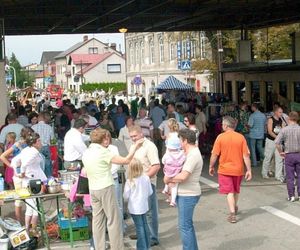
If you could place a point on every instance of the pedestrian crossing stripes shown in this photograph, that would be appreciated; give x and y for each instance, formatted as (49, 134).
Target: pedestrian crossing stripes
(282, 215)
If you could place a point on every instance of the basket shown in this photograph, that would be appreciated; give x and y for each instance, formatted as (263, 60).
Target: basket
(68, 176)
(76, 223)
(81, 233)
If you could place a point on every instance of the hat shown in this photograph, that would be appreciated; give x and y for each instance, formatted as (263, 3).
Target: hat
(173, 143)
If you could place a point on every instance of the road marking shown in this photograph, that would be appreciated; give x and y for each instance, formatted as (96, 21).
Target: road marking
(208, 182)
(282, 215)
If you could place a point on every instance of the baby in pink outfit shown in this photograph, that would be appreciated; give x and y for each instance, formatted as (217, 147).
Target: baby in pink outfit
(173, 161)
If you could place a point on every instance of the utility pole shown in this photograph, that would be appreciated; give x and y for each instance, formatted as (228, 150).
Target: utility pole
(220, 61)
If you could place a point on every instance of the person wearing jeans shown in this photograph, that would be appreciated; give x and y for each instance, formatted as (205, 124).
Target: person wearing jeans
(189, 189)
(256, 123)
(256, 144)
(137, 191)
(148, 155)
(152, 216)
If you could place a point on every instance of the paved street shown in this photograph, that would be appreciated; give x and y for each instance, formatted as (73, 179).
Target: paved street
(266, 220)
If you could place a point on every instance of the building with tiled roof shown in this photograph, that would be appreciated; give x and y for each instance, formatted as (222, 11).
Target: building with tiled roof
(89, 61)
(95, 68)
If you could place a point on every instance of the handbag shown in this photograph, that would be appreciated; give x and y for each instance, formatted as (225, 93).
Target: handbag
(83, 185)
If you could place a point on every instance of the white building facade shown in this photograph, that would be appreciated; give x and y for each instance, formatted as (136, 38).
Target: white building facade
(152, 57)
(71, 75)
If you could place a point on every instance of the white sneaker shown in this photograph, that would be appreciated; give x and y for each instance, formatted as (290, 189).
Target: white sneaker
(292, 199)
(265, 177)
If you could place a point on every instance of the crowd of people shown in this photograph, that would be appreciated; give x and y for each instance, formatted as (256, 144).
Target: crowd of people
(156, 134)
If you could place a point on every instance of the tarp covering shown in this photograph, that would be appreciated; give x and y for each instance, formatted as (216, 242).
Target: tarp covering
(172, 83)
(295, 106)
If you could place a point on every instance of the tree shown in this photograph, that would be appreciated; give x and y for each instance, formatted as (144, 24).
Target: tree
(21, 75)
(273, 43)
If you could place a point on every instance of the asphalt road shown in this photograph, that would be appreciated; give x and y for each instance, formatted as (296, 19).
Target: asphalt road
(266, 219)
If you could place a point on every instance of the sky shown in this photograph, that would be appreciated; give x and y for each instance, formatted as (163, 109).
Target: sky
(29, 49)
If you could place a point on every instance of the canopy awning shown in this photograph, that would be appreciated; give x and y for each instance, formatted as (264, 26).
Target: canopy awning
(172, 83)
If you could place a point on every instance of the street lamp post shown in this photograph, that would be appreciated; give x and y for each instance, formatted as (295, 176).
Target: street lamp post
(15, 76)
(123, 31)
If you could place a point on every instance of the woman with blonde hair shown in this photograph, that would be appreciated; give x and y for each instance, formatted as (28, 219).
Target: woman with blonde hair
(173, 126)
(137, 191)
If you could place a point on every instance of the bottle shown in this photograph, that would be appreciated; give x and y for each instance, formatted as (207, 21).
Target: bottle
(1, 183)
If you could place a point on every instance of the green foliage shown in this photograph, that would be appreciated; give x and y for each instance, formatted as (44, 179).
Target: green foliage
(21, 75)
(117, 86)
(200, 66)
(205, 65)
(273, 43)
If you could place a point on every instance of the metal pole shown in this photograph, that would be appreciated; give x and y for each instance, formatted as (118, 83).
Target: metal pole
(220, 60)
(15, 76)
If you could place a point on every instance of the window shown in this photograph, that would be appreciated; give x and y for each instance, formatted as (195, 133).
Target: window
(202, 45)
(172, 51)
(183, 47)
(93, 50)
(137, 53)
(113, 68)
(193, 48)
(151, 51)
(131, 54)
(161, 50)
(241, 91)
(255, 96)
(142, 52)
(283, 89)
(297, 91)
(73, 70)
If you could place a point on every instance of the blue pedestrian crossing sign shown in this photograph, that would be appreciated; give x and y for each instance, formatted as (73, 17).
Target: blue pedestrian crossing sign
(186, 65)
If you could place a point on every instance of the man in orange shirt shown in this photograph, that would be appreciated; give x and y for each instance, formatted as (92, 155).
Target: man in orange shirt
(232, 150)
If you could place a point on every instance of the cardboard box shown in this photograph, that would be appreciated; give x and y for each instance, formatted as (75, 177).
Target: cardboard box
(18, 237)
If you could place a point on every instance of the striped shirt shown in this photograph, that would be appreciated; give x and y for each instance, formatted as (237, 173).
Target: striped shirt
(146, 125)
(45, 131)
(290, 136)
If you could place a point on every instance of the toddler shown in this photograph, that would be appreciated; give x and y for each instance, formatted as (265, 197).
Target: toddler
(173, 161)
(137, 191)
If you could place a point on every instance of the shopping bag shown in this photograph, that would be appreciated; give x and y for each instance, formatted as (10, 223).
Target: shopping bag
(83, 185)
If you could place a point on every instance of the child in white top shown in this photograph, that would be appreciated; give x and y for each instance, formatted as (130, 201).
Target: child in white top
(137, 191)
(173, 161)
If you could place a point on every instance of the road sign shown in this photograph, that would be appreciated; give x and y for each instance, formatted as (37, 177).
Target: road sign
(188, 49)
(137, 80)
(186, 65)
(8, 77)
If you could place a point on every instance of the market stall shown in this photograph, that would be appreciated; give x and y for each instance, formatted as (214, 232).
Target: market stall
(71, 224)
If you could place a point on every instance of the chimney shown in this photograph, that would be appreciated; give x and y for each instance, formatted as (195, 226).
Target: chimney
(113, 46)
(85, 38)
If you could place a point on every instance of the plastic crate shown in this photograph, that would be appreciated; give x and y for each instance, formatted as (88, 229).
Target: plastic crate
(76, 223)
(81, 233)
(68, 176)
